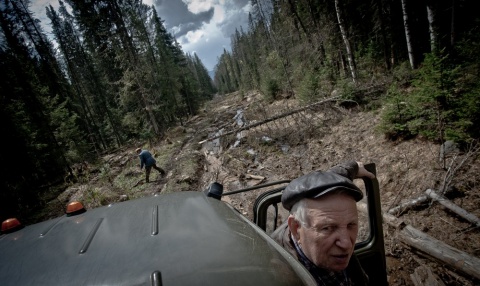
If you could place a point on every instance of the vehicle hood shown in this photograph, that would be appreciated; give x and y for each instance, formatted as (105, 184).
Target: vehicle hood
(182, 238)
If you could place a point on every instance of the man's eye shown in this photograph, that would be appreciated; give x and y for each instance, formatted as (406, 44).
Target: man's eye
(352, 225)
(328, 228)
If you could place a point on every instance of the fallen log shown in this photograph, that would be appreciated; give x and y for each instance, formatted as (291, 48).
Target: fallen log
(272, 118)
(439, 250)
(451, 256)
(407, 205)
(453, 207)
(255, 177)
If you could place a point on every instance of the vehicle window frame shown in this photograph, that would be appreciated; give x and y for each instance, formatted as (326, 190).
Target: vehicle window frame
(371, 249)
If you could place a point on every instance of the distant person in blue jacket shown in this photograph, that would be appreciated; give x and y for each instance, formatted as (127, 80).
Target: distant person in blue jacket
(147, 160)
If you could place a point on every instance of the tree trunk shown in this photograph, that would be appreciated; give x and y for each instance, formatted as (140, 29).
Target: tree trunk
(389, 31)
(383, 30)
(299, 20)
(432, 26)
(453, 257)
(270, 119)
(341, 24)
(453, 207)
(407, 205)
(408, 35)
(417, 239)
(452, 25)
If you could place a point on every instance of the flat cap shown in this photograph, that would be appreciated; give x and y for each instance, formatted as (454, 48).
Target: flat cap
(316, 184)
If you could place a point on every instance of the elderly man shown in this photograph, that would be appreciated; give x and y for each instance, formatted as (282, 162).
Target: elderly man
(322, 227)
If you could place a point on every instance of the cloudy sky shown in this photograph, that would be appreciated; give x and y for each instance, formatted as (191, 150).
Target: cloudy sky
(203, 27)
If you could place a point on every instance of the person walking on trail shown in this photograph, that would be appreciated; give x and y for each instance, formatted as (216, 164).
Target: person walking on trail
(147, 160)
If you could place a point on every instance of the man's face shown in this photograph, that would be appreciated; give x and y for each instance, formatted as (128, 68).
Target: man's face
(328, 239)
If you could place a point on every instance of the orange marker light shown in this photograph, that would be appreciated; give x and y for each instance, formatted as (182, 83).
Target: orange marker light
(10, 224)
(75, 208)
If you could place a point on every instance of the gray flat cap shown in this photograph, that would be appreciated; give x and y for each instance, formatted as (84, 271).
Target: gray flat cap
(317, 184)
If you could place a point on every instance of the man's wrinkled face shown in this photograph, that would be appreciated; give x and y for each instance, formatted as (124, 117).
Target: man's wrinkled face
(328, 238)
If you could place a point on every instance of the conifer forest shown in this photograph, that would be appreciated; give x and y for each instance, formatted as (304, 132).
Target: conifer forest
(112, 74)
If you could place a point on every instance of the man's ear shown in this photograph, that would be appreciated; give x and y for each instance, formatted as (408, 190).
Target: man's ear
(294, 225)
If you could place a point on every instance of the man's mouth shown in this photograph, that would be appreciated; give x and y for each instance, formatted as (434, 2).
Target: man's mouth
(341, 258)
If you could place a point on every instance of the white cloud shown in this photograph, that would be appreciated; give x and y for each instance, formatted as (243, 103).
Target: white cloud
(194, 36)
(198, 6)
(212, 22)
(219, 14)
(203, 27)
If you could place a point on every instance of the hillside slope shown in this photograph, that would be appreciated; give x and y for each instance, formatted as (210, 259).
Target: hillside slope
(286, 148)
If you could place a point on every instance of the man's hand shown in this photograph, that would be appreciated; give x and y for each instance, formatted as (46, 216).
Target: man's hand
(362, 172)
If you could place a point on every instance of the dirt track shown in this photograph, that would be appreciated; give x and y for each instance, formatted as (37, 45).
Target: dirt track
(296, 145)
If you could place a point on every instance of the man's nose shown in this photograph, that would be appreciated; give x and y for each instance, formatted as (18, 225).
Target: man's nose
(343, 240)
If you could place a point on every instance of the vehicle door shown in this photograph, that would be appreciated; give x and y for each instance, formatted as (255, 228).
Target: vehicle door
(369, 249)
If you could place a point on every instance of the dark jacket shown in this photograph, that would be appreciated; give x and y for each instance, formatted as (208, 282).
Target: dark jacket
(146, 159)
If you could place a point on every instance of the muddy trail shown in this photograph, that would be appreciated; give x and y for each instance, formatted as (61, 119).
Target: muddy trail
(283, 149)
